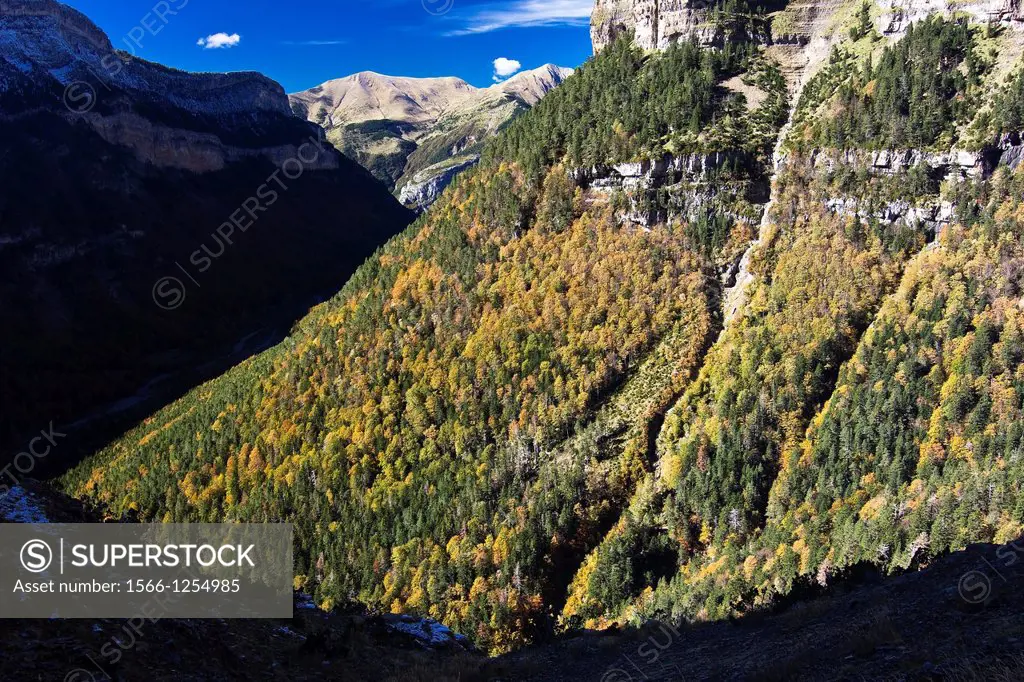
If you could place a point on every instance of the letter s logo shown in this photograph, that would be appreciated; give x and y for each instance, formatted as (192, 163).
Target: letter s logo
(36, 556)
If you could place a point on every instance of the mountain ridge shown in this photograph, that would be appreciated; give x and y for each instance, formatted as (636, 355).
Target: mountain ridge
(546, 76)
(52, 52)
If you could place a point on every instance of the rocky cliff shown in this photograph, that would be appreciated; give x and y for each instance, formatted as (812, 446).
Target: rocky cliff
(416, 134)
(53, 57)
(655, 23)
(799, 33)
(901, 13)
(425, 186)
(658, 23)
(798, 38)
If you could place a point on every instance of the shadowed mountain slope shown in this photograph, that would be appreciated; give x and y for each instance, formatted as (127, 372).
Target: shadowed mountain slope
(118, 174)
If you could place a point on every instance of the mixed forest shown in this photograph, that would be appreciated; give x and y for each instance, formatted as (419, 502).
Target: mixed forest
(526, 414)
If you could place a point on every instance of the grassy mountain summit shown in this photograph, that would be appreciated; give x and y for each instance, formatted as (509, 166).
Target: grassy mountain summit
(415, 134)
(535, 409)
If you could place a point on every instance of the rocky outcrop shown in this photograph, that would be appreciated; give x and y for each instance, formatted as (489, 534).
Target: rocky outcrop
(73, 26)
(802, 31)
(689, 165)
(898, 161)
(1011, 150)
(648, 172)
(167, 147)
(427, 185)
(802, 35)
(49, 41)
(673, 187)
(899, 14)
(656, 24)
(931, 215)
(426, 633)
(193, 150)
(1008, 150)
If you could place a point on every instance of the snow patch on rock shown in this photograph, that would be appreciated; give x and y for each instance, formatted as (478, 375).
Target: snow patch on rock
(427, 632)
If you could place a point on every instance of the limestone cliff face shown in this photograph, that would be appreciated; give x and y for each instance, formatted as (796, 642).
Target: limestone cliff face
(655, 23)
(73, 26)
(802, 31)
(800, 39)
(50, 41)
(797, 38)
(658, 23)
(901, 13)
(427, 185)
(54, 58)
(200, 152)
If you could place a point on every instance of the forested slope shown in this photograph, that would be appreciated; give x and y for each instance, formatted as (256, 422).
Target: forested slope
(527, 412)
(863, 406)
(462, 422)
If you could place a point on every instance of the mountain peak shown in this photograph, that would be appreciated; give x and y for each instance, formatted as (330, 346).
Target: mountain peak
(531, 86)
(41, 15)
(431, 95)
(369, 96)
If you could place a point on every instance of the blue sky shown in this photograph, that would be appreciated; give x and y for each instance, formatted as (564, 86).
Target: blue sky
(302, 43)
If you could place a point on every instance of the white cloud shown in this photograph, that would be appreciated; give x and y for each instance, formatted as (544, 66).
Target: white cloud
(504, 67)
(219, 40)
(530, 13)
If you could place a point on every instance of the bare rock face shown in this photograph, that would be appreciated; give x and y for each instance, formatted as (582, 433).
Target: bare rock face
(901, 13)
(73, 26)
(427, 185)
(1011, 147)
(51, 41)
(199, 152)
(802, 38)
(802, 32)
(798, 42)
(656, 23)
